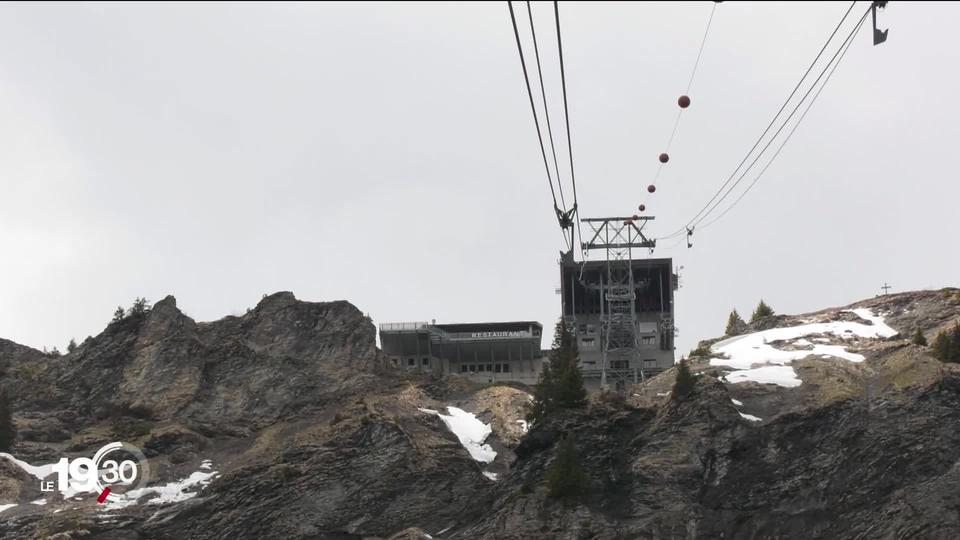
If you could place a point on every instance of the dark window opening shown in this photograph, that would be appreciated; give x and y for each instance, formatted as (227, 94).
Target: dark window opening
(506, 368)
(426, 361)
(411, 361)
(619, 364)
(498, 368)
(463, 368)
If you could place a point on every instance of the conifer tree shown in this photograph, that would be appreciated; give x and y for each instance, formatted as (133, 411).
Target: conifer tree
(763, 310)
(919, 338)
(561, 383)
(735, 324)
(8, 432)
(118, 314)
(941, 346)
(684, 383)
(72, 346)
(566, 477)
(140, 307)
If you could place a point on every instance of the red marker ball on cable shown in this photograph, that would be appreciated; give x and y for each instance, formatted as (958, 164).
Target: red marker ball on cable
(664, 157)
(642, 207)
(684, 102)
(651, 188)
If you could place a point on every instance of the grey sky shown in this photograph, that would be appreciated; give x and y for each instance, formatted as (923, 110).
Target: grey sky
(385, 154)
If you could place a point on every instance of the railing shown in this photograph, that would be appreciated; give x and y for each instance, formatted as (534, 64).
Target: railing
(393, 327)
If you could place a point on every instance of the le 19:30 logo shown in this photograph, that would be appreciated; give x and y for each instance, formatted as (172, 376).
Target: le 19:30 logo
(126, 470)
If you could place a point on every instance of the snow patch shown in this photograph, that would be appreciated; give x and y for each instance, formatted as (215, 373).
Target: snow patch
(779, 375)
(6, 506)
(737, 402)
(470, 431)
(167, 493)
(206, 464)
(744, 352)
(38, 471)
(39, 502)
(490, 475)
(524, 425)
(750, 417)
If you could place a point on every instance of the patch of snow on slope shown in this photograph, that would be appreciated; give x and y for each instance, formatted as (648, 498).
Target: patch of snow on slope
(470, 431)
(750, 417)
(39, 502)
(745, 352)
(737, 402)
(4, 507)
(37, 471)
(779, 375)
(490, 475)
(167, 493)
(524, 425)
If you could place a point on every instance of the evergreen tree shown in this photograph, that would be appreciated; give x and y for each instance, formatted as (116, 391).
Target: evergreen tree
(118, 314)
(941, 347)
(919, 338)
(72, 346)
(566, 477)
(735, 324)
(763, 310)
(140, 307)
(8, 432)
(561, 383)
(54, 353)
(685, 381)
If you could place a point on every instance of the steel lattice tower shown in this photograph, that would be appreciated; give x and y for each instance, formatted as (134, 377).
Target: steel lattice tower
(618, 236)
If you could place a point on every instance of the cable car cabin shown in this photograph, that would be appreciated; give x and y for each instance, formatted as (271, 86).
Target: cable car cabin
(582, 290)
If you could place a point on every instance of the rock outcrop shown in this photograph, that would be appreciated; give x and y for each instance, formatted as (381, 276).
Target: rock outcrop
(311, 435)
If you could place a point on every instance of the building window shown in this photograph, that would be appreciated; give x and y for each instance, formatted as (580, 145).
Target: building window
(411, 362)
(506, 368)
(498, 368)
(650, 362)
(648, 340)
(619, 364)
(425, 361)
(589, 342)
(463, 368)
(490, 368)
(473, 368)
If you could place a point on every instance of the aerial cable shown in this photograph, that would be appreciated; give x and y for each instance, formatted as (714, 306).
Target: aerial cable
(842, 47)
(683, 229)
(676, 123)
(846, 48)
(546, 110)
(566, 114)
(533, 108)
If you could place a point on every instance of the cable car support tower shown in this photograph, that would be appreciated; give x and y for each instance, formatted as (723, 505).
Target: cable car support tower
(618, 237)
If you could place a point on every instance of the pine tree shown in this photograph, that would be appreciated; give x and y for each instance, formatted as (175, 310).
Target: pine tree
(941, 347)
(72, 346)
(140, 307)
(8, 432)
(561, 383)
(763, 310)
(919, 338)
(735, 324)
(118, 315)
(566, 477)
(685, 381)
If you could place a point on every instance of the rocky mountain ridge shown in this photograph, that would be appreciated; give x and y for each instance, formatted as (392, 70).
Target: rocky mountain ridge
(311, 435)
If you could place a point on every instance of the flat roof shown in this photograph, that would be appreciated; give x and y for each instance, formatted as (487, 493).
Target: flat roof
(633, 262)
(488, 326)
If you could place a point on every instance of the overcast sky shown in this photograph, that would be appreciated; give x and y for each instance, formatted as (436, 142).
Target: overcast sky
(385, 154)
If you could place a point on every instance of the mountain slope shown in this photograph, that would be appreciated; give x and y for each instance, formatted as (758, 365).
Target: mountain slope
(307, 434)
